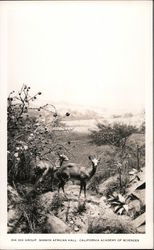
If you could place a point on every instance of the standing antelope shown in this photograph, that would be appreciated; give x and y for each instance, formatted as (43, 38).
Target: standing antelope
(73, 171)
(46, 168)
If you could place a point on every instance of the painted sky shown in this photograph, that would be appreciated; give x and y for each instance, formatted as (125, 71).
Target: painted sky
(90, 53)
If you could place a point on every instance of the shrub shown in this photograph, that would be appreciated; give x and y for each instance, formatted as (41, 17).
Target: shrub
(142, 128)
(28, 134)
(111, 225)
(119, 202)
(115, 134)
(57, 203)
(32, 214)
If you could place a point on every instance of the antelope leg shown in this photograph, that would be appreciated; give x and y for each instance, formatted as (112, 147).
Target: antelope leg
(84, 186)
(81, 187)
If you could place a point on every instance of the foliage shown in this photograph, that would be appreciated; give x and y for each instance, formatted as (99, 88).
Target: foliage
(108, 177)
(32, 215)
(29, 212)
(135, 155)
(57, 203)
(133, 175)
(81, 207)
(112, 224)
(119, 202)
(115, 134)
(142, 128)
(29, 135)
(113, 174)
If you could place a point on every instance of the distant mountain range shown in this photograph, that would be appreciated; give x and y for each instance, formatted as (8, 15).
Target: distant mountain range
(92, 112)
(89, 112)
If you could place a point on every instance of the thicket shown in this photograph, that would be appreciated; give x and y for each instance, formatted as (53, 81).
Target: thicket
(120, 156)
(30, 136)
(113, 134)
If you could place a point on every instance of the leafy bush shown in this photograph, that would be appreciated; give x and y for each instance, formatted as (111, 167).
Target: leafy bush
(142, 128)
(29, 134)
(30, 213)
(129, 156)
(115, 134)
(57, 202)
(119, 202)
(108, 178)
(111, 225)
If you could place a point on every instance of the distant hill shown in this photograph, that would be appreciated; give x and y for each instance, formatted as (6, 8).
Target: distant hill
(81, 113)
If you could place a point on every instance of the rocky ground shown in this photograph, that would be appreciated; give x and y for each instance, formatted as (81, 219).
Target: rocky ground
(53, 213)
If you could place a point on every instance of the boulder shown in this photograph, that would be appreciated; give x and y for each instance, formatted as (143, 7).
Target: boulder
(141, 229)
(140, 195)
(139, 221)
(109, 185)
(55, 225)
(14, 213)
(13, 196)
(13, 217)
(135, 204)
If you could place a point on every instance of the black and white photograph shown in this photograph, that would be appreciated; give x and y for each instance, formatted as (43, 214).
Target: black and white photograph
(77, 76)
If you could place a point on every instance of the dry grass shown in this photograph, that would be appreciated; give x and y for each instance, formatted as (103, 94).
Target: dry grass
(111, 225)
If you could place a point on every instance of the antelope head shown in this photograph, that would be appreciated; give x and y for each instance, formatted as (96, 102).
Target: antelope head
(62, 158)
(95, 160)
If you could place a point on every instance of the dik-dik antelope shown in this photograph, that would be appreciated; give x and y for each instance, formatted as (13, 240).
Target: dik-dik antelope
(73, 171)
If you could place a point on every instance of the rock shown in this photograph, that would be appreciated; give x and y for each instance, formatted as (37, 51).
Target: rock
(55, 225)
(102, 201)
(12, 219)
(141, 229)
(142, 185)
(139, 221)
(135, 204)
(14, 213)
(141, 174)
(140, 195)
(137, 184)
(13, 196)
(108, 185)
(93, 200)
(76, 229)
